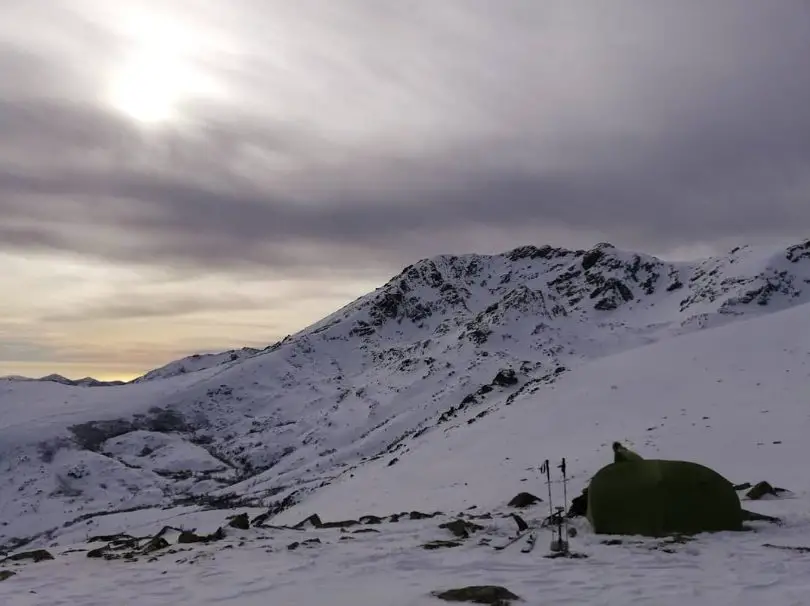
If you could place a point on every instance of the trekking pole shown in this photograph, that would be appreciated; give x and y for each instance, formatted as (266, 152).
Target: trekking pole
(545, 469)
(565, 501)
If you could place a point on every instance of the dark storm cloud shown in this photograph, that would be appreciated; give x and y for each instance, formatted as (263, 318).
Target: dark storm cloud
(370, 127)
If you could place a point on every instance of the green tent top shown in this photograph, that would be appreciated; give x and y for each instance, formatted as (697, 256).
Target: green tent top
(656, 497)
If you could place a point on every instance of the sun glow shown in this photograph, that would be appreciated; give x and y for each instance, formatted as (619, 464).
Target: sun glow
(149, 88)
(158, 74)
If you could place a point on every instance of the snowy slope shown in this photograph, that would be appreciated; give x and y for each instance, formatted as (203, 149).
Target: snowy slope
(449, 343)
(197, 362)
(733, 397)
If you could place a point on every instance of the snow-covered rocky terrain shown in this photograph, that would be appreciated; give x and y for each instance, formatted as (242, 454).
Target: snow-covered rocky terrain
(442, 391)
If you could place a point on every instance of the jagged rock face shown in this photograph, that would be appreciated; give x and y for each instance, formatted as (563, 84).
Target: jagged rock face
(456, 287)
(734, 285)
(478, 292)
(799, 252)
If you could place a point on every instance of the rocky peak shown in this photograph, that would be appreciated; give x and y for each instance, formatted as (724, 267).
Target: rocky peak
(798, 252)
(552, 282)
(532, 252)
(609, 278)
(749, 276)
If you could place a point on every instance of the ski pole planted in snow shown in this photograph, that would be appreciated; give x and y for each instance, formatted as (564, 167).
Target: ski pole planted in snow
(544, 468)
(547, 470)
(563, 542)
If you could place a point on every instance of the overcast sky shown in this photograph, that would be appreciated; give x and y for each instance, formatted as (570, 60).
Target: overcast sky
(183, 175)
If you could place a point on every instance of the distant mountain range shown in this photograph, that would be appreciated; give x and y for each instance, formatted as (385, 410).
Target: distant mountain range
(56, 378)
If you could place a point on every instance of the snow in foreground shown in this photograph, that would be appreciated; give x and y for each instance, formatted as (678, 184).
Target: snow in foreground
(255, 567)
(734, 398)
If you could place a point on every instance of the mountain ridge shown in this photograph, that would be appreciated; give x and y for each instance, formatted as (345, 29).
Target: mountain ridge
(443, 344)
(611, 292)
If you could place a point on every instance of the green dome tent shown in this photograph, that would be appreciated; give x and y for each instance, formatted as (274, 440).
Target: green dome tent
(654, 497)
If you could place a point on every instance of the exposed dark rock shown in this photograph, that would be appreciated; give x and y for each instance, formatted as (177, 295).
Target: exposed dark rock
(524, 499)
(38, 555)
(191, 537)
(111, 538)
(278, 506)
(363, 329)
(440, 545)
(260, 519)
(479, 335)
(297, 544)
(579, 505)
(418, 515)
(314, 520)
(469, 399)
(370, 520)
(505, 378)
(154, 544)
(364, 530)
(6, 574)
(241, 522)
(798, 252)
(763, 489)
(591, 258)
(521, 523)
(480, 516)
(387, 306)
(752, 516)
(743, 486)
(101, 552)
(532, 252)
(165, 421)
(91, 435)
(478, 594)
(461, 528)
(340, 524)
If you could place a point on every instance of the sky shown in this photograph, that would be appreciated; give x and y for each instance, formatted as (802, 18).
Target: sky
(195, 175)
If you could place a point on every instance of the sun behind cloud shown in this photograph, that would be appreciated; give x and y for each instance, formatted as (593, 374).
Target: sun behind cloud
(158, 72)
(148, 89)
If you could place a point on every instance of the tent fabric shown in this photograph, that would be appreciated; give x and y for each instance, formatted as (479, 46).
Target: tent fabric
(622, 454)
(655, 497)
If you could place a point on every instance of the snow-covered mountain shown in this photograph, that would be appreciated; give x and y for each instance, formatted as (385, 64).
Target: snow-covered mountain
(440, 354)
(56, 378)
(718, 374)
